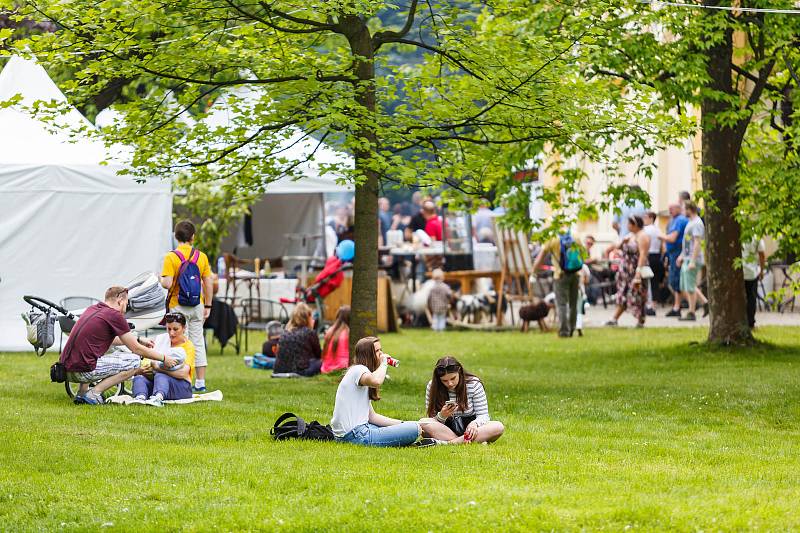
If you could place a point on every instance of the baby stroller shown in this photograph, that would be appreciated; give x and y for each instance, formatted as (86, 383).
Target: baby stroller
(328, 280)
(145, 310)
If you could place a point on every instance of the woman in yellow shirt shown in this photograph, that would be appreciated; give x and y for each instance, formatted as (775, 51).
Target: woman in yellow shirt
(153, 385)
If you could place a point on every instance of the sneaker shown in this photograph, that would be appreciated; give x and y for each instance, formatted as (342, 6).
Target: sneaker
(564, 335)
(639, 325)
(611, 323)
(674, 312)
(90, 398)
(705, 310)
(690, 317)
(140, 400)
(424, 443)
(580, 332)
(650, 311)
(155, 401)
(199, 390)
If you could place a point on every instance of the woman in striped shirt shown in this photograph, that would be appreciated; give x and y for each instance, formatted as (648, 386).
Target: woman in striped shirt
(456, 403)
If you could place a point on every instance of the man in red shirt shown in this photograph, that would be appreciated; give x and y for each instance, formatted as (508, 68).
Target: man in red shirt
(433, 224)
(99, 327)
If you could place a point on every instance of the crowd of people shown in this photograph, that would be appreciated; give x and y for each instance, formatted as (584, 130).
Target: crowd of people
(399, 222)
(648, 266)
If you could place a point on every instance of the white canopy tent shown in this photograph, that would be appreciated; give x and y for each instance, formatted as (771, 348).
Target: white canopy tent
(71, 226)
(290, 206)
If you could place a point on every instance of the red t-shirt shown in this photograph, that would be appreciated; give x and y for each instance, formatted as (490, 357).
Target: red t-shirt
(434, 228)
(92, 336)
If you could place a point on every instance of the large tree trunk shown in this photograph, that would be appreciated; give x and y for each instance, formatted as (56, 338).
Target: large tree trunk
(364, 314)
(721, 146)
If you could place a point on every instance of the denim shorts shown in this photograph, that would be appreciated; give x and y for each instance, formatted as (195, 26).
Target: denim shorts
(371, 435)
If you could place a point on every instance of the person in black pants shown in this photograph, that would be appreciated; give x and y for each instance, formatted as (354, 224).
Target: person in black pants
(753, 261)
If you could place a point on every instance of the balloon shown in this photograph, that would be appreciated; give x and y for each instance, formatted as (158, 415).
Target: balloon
(346, 250)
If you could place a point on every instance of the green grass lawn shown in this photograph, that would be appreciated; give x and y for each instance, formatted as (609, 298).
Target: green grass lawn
(621, 429)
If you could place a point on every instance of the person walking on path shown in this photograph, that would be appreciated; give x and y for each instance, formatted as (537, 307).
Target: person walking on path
(654, 260)
(673, 239)
(633, 275)
(187, 295)
(691, 261)
(753, 261)
(566, 279)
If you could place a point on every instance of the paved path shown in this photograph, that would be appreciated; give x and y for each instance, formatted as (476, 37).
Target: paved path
(596, 316)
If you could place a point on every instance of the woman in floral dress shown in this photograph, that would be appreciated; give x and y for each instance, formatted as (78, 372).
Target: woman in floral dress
(631, 287)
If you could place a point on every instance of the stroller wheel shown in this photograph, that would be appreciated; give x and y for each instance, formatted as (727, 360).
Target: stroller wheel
(72, 389)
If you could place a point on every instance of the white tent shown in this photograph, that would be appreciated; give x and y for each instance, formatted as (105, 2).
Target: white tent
(71, 226)
(289, 206)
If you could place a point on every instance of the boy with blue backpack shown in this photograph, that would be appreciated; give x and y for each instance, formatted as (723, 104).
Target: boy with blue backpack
(187, 276)
(567, 258)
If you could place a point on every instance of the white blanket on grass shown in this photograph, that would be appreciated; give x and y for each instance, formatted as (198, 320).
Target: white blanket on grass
(126, 399)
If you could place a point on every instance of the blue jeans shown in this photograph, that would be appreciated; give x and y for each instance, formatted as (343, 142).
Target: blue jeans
(372, 435)
(439, 323)
(674, 271)
(169, 387)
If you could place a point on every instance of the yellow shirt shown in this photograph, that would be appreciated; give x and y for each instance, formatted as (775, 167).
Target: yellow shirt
(172, 264)
(553, 247)
(188, 347)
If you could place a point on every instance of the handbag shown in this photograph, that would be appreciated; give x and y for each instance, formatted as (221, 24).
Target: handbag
(645, 272)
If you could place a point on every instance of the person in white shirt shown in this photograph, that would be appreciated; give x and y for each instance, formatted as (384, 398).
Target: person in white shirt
(753, 260)
(354, 420)
(654, 260)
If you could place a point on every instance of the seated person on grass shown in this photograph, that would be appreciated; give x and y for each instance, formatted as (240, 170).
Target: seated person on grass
(157, 383)
(298, 348)
(265, 359)
(354, 420)
(98, 327)
(336, 354)
(456, 401)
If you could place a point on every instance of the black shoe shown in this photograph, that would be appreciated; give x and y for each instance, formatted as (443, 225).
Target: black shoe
(564, 335)
(674, 312)
(705, 310)
(650, 312)
(580, 332)
(688, 318)
(424, 443)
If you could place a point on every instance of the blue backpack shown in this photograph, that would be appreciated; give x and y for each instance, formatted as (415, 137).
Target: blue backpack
(571, 259)
(189, 282)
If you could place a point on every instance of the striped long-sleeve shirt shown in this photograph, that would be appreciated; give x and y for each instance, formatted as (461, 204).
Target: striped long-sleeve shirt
(477, 404)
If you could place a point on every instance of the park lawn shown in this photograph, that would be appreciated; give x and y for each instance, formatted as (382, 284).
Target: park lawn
(620, 429)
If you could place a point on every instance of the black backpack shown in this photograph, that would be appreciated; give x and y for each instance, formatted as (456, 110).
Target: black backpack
(285, 428)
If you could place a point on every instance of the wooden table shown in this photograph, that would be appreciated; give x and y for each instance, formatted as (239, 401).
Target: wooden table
(466, 277)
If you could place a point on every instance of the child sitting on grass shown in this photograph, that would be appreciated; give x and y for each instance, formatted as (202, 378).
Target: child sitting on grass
(336, 354)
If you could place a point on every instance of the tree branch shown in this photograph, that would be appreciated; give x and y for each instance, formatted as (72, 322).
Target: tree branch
(390, 36)
(441, 52)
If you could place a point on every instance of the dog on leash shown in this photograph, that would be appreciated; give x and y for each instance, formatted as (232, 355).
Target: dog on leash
(538, 311)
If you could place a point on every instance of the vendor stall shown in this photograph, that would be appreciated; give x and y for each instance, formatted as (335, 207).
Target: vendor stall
(71, 225)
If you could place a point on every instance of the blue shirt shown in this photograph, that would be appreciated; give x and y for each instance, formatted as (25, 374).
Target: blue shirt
(678, 224)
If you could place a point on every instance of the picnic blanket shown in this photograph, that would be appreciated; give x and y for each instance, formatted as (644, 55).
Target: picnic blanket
(126, 399)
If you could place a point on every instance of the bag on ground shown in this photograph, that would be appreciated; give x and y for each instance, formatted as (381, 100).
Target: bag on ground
(291, 426)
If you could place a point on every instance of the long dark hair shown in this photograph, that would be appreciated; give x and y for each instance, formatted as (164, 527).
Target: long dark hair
(364, 354)
(439, 393)
(342, 322)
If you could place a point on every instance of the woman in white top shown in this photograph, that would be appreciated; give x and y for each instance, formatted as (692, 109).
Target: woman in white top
(354, 420)
(456, 402)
